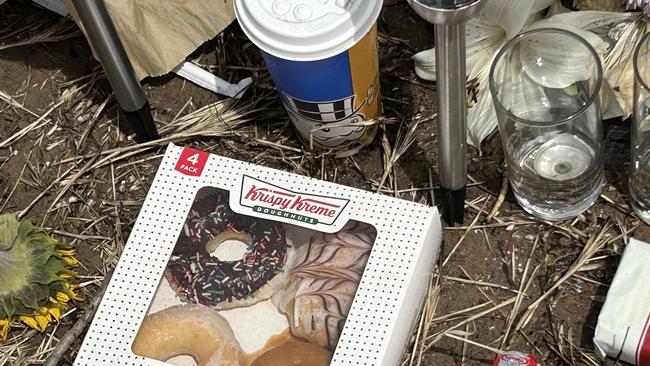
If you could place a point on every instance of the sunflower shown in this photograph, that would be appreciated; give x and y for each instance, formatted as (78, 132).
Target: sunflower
(35, 275)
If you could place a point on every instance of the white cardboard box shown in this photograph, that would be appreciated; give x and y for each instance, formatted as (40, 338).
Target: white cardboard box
(623, 329)
(390, 292)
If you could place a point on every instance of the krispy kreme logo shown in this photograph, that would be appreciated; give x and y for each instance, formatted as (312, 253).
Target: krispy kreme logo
(268, 199)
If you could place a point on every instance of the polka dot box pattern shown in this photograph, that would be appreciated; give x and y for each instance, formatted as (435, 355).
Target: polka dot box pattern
(390, 294)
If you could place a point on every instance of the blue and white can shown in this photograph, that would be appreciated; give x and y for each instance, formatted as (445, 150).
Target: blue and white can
(322, 56)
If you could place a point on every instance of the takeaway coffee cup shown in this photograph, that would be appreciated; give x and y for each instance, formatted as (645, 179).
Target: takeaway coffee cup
(322, 55)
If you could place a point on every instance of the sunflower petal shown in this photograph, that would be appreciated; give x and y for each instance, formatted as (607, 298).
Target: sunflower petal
(71, 261)
(55, 312)
(62, 297)
(35, 269)
(66, 274)
(42, 322)
(30, 321)
(5, 324)
(67, 252)
(74, 295)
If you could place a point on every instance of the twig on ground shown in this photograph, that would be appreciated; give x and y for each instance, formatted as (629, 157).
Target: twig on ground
(17, 182)
(40, 122)
(60, 31)
(71, 335)
(403, 142)
(478, 283)
(435, 338)
(595, 243)
(469, 228)
(496, 351)
(524, 283)
(501, 198)
(428, 311)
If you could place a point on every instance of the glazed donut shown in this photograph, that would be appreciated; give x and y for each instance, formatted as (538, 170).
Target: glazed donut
(323, 278)
(193, 330)
(294, 353)
(197, 277)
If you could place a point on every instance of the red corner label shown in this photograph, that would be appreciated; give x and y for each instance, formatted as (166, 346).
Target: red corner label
(192, 162)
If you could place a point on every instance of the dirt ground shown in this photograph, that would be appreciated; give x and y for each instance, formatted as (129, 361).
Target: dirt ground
(58, 88)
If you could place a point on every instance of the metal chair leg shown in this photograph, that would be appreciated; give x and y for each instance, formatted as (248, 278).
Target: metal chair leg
(111, 54)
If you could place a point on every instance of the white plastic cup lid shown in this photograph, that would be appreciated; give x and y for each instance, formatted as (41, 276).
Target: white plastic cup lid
(306, 30)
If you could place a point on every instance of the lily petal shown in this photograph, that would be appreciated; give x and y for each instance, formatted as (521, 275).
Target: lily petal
(511, 15)
(553, 62)
(591, 20)
(425, 64)
(556, 22)
(618, 68)
(480, 29)
(481, 118)
(608, 102)
(518, 93)
(478, 50)
(645, 125)
(479, 60)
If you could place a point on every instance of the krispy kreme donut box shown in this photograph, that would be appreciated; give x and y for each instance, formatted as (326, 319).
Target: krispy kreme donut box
(233, 264)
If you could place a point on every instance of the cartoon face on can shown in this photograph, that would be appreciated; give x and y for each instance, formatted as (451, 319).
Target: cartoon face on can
(321, 117)
(327, 99)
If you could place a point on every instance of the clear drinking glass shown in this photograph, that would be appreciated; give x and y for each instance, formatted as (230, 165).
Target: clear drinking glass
(640, 175)
(545, 85)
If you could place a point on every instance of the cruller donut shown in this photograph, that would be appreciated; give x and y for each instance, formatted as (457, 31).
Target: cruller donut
(197, 277)
(190, 329)
(323, 276)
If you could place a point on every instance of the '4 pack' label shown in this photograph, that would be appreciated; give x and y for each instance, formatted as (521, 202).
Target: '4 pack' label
(191, 162)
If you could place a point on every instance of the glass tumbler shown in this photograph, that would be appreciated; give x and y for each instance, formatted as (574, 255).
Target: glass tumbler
(545, 85)
(640, 174)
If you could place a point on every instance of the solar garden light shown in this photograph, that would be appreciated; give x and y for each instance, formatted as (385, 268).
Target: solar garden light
(449, 17)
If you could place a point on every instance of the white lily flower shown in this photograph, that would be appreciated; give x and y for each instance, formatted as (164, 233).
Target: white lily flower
(618, 70)
(639, 5)
(500, 21)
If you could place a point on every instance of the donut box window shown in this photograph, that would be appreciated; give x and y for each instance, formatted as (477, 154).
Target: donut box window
(233, 264)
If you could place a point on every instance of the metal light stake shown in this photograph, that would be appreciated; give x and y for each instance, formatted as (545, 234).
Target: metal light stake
(449, 17)
(120, 74)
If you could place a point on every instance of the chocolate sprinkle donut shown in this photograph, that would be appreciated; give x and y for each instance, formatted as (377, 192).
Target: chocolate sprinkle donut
(200, 278)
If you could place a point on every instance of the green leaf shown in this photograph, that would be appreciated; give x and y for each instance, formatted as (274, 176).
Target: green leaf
(8, 231)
